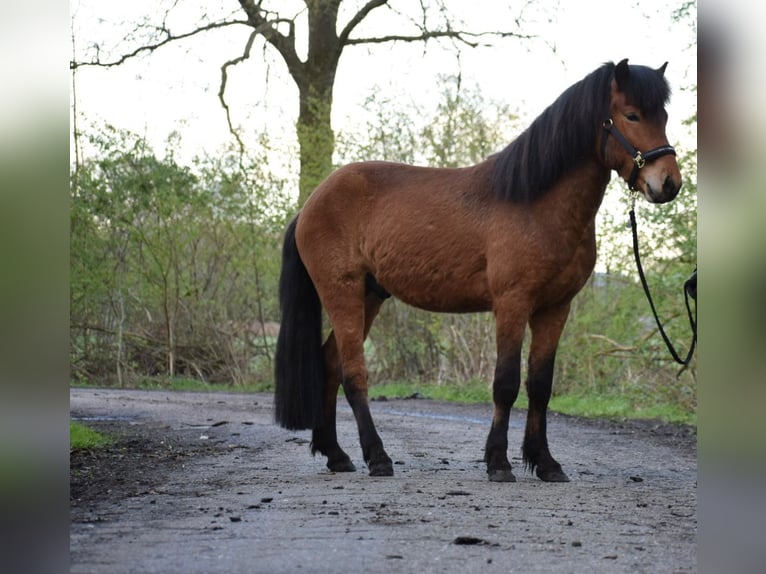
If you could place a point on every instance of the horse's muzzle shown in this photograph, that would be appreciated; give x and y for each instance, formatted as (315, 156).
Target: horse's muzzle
(663, 192)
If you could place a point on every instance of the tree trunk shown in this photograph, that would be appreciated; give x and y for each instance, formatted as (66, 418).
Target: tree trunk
(316, 138)
(315, 82)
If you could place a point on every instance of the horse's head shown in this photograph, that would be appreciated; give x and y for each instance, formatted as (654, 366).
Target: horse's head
(638, 148)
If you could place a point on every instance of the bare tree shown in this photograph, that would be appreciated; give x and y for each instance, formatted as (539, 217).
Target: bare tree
(314, 76)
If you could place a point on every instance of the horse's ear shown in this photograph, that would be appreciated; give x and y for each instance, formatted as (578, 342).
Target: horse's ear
(621, 73)
(661, 69)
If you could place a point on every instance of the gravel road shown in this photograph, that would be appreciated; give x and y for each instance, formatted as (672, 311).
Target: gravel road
(207, 483)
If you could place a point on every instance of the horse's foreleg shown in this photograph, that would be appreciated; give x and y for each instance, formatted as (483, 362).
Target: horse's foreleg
(505, 389)
(546, 327)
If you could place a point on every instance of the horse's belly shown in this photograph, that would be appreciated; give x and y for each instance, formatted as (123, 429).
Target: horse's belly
(446, 291)
(445, 304)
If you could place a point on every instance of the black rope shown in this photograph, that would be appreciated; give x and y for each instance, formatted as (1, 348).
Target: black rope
(687, 290)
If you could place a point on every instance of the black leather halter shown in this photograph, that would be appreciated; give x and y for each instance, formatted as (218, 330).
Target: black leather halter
(639, 158)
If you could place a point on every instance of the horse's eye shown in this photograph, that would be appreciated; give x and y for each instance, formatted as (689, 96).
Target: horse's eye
(633, 117)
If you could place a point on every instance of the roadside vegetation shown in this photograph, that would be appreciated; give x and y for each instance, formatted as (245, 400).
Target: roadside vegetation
(82, 436)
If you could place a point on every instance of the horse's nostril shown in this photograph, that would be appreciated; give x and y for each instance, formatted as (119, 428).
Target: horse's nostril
(669, 187)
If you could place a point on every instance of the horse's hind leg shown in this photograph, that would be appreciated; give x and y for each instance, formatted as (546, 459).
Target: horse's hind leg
(345, 364)
(324, 439)
(546, 327)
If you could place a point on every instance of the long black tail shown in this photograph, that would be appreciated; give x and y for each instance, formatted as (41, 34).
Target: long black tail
(299, 373)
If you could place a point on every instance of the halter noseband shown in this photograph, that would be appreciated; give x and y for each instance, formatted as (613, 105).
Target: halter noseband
(639, 159)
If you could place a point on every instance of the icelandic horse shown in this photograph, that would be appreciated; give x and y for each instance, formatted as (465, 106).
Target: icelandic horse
(514, 235)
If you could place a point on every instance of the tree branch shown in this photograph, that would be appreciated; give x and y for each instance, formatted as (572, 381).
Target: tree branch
(357, 19)
(222, 90)
(169, 37)
(285, 45)
(461, 36)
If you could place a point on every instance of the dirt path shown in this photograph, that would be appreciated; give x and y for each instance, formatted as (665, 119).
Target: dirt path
(207, 483)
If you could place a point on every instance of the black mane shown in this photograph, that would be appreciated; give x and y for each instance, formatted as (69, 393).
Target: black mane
(565, 134)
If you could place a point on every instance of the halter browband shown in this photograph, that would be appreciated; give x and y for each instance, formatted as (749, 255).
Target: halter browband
(639, 158)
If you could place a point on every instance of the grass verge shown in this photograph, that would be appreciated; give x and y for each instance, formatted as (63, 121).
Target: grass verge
(81, 436)
(188, 385)
(584, 405)
(590, 406)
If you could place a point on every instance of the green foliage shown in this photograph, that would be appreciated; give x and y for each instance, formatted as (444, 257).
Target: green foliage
(463, 129)
(611, 349)
(172, 267)
(81, 436)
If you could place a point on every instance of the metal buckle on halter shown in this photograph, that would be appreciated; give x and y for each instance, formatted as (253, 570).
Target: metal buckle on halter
(639, 160)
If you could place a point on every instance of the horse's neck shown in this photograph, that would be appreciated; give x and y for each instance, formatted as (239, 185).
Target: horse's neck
(566, 214)
(579, 194)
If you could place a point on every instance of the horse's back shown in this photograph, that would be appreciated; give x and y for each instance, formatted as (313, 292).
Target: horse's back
(366, 184)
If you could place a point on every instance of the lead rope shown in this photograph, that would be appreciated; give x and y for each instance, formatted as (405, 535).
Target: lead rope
(692, 319)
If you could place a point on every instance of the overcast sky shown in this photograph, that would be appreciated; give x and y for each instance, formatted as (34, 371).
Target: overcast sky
(176, 88)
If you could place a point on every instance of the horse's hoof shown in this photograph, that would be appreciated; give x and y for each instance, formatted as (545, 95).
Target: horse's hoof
(501, 475)
(382, 471)
(341, 466)
(552, 475)
(382, 468)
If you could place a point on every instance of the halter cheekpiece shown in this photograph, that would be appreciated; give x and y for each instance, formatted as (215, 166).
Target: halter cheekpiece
(639, 158)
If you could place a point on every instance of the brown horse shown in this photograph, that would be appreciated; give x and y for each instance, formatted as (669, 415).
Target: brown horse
(514, 235)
